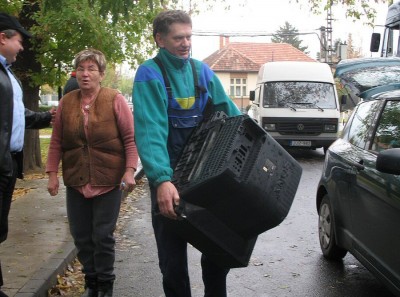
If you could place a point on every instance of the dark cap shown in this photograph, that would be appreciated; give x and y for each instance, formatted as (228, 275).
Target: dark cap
(9, 22)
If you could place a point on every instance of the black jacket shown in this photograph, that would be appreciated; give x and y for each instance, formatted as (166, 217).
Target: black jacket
(71, 85)
(33, 120)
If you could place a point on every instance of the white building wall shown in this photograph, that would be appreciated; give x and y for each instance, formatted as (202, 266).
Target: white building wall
(225, 80)
(241, 103)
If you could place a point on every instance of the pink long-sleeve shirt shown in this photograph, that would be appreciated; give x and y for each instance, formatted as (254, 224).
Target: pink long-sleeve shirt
(125, 126)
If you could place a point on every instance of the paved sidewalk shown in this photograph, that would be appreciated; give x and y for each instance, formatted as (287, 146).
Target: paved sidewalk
(39, 245)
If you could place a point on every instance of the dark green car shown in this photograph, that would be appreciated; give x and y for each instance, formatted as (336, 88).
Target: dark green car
(358, 196)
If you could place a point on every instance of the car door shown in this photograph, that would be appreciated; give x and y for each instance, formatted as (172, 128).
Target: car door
(375, 206)
(342, 167)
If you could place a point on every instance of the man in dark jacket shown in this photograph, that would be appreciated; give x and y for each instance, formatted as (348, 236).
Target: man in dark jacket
(71, 84)
(14, 118)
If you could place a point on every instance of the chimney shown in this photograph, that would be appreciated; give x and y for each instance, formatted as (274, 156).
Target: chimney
(223, 41)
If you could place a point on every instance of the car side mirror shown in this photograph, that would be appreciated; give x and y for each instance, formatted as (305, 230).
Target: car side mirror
(388, 161)
(252, 95)
(375, 41)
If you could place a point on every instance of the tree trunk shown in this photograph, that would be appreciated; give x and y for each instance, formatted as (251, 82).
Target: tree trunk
(32, 154)
(26, 63)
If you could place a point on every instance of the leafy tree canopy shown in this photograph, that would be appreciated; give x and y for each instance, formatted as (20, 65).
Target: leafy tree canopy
(289, 34)
(355, 9)
(62, 28)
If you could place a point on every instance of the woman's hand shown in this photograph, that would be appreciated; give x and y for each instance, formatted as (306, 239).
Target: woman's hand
(53, 184)
(128, 180)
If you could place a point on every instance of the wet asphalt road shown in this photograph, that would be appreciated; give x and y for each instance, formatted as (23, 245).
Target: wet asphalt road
(286, 261)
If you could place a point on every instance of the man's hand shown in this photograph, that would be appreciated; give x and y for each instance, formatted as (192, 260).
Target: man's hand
(167, 198)
(53, 112)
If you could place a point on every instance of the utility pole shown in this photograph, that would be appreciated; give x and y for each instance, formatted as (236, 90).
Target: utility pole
(322, 45)
(329, 20)
(326, 49)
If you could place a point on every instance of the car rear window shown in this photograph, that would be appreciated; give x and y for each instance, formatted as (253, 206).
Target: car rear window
(371, 77)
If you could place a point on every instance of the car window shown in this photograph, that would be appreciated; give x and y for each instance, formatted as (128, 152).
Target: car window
(373, 77)
(363, 74)
(387, 134)
(362, 120)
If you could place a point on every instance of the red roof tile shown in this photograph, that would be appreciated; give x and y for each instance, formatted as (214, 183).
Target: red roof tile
(248, 57)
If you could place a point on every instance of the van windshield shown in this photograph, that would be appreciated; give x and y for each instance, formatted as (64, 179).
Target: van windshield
(299, 95)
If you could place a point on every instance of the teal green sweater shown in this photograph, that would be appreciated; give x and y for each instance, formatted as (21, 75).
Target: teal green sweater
(151, 103)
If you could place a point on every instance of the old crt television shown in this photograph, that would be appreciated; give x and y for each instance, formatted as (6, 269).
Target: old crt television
(237, 171)
(235, 182)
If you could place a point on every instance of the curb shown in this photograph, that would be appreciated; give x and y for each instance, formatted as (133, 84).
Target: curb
(46, 277)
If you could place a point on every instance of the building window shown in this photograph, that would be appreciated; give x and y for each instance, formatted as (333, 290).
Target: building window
(238, 87)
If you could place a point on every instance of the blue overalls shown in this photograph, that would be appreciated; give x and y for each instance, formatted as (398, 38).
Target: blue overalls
(172, 249)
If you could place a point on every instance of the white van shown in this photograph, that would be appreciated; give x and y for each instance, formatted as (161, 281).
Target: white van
(297, 103)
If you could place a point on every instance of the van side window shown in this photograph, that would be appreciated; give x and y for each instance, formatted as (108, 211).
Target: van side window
(270, 99)
(387, 134)
(257, 92)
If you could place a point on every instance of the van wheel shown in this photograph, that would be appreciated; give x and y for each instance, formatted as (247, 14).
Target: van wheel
(327, 232)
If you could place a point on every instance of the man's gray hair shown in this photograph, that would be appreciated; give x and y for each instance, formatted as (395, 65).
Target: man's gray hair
(166, 18)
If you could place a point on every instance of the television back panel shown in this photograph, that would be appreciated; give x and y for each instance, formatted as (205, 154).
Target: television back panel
(237, 171)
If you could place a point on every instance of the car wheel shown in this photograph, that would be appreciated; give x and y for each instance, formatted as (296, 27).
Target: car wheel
(326, 230)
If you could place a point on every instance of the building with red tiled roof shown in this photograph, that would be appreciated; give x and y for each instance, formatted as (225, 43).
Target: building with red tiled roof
(237, 64)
